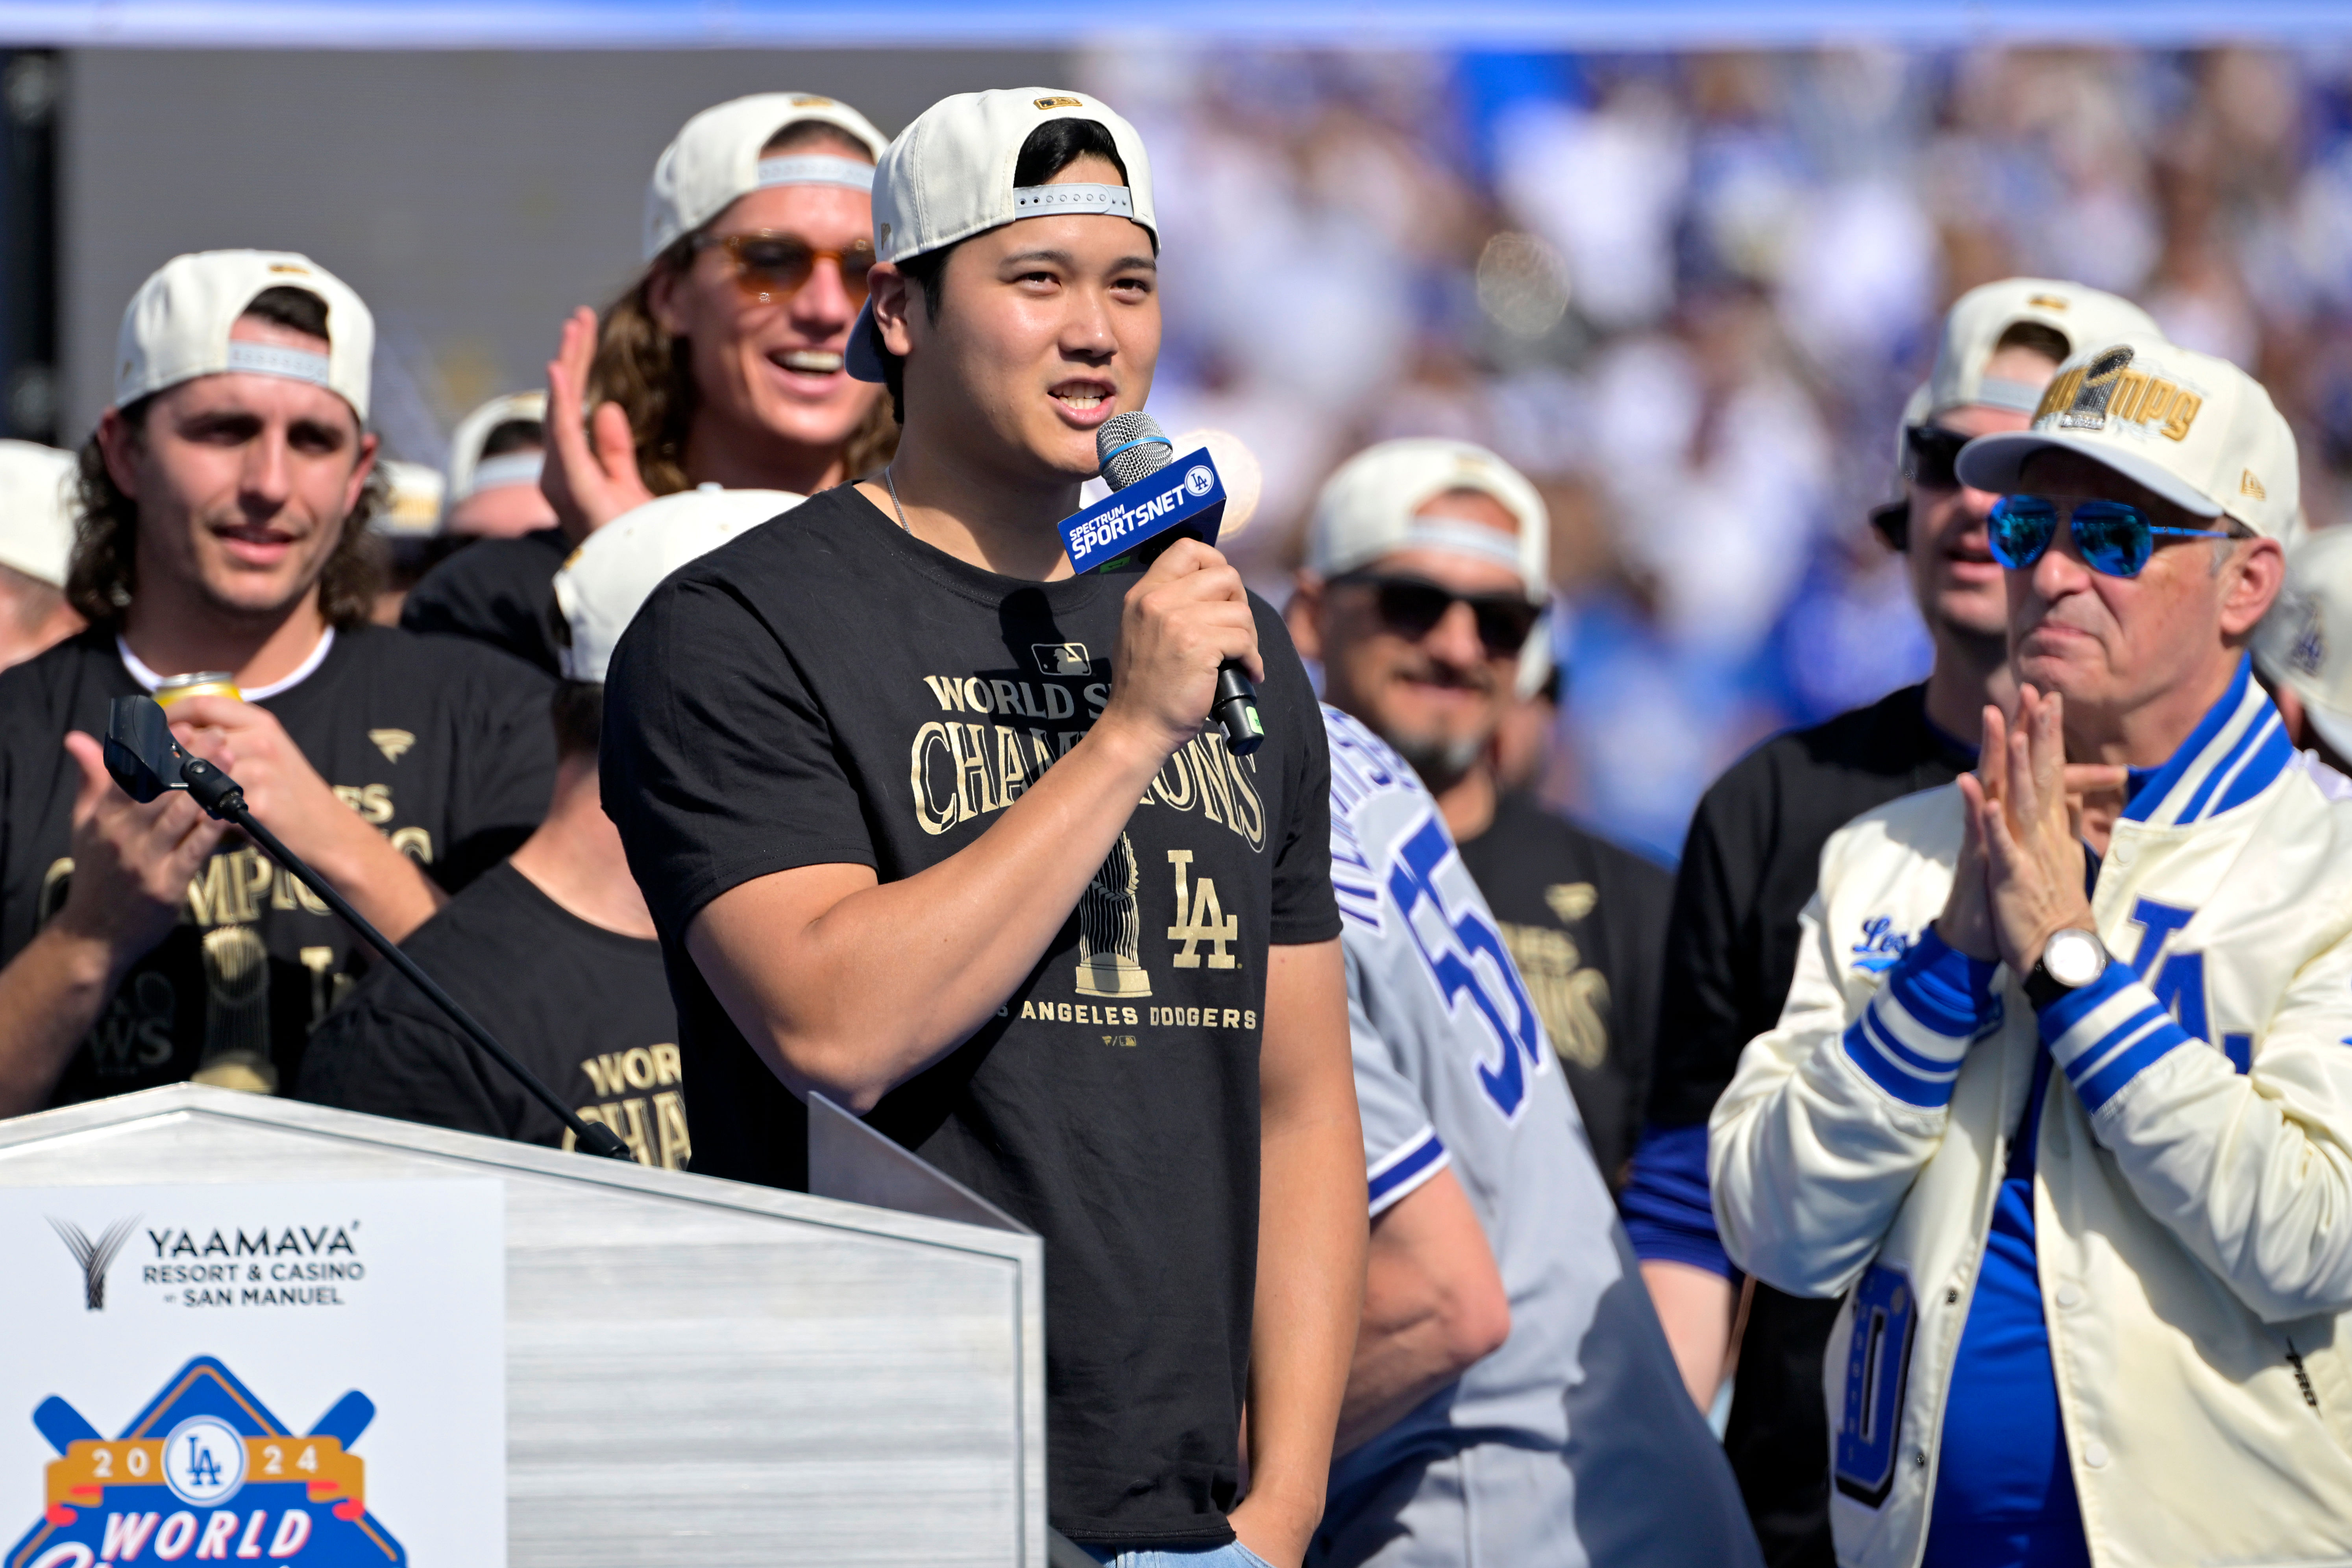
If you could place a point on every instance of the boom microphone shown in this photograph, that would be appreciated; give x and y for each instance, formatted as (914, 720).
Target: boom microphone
(145, 761)
(1143, 516)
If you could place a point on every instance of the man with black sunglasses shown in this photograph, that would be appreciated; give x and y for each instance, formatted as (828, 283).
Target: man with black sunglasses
(1427, 573)
(2079, 1157)
(1508, 1368)
(1752, 859)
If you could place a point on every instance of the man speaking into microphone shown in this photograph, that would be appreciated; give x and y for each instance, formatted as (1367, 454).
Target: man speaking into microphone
(931, 825)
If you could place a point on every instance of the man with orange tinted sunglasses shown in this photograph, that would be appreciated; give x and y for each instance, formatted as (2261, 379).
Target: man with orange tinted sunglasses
(720, 364)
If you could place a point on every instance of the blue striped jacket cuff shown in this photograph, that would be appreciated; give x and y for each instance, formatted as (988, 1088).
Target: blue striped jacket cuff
(1910, 1039)
(1668, 1213)
(2107, 1033)
(1404, 1168)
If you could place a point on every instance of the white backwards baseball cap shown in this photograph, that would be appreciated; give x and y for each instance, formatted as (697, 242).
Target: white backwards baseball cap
(176, 327)
(716, 157)
(37, 511)
(949, 176)
(1977, 320)
(2195, 429)
(1366, 511)
(470, 473)
(607, 580)
(2305, 640)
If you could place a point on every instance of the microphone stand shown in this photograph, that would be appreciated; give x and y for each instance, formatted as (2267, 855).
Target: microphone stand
(222, 798)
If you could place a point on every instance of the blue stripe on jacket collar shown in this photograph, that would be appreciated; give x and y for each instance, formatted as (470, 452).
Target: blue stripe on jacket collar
(2235, 753)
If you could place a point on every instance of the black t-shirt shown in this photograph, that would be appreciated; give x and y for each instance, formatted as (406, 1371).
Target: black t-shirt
(497, 591)
(586, 1008)
(835, 692)
(1751, 862)
(1586, 922)
(445, 747)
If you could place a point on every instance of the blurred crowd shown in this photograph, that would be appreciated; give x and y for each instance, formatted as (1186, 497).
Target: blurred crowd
(1610, 415)
(1689, 294)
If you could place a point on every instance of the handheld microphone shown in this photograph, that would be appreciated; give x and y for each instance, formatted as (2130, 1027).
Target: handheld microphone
(145, 761)
(1140, 519)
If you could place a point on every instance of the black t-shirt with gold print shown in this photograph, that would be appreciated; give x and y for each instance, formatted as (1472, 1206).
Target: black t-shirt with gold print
(826, 690)
(586, 1009)
(446, 748)
(1586, 923)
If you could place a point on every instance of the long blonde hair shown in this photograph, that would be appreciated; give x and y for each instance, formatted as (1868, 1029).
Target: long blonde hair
(650, 373)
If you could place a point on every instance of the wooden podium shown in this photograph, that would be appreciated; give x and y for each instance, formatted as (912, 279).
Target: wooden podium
(696, 1371)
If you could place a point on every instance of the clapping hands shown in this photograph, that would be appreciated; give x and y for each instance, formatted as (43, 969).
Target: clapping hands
(2021, 872)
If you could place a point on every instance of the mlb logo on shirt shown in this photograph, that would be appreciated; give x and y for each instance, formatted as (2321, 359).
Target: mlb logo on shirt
(1061, 657)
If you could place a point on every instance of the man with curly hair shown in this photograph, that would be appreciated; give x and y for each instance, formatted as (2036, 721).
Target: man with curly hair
(224, 500)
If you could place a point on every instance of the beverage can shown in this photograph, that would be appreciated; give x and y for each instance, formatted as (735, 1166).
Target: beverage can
(203, 683)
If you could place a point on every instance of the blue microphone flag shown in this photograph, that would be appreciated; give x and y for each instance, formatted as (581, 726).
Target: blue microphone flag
(1186, 494)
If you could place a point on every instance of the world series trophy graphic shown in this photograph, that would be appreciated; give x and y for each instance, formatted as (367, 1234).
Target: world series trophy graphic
(1110, 929)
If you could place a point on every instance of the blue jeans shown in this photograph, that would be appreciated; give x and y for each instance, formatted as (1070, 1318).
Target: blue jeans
(1234, 1556)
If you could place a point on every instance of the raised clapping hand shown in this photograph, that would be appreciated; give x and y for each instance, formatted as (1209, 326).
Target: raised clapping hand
(588, 485)
(282, 788)
(131, 863)
(289, 798)
(2020, 876)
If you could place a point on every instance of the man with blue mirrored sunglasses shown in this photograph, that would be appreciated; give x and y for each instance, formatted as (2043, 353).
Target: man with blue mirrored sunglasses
(2080, 1159)
(2114, 537)
(1752, 861)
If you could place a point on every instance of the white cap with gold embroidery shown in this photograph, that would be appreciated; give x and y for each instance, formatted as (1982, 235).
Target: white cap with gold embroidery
(37, 507)
(716, 157)
(1367, 510)
(607, 581)
(2195, 429)
(2305, 640)
(176, 327)
(1979, 318)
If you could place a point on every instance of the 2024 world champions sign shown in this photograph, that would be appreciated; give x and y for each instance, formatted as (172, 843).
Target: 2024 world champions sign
(206, 1471)
(254, 1374)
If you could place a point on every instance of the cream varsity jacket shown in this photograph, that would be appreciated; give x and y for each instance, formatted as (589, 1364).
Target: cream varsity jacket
(2194, 1188)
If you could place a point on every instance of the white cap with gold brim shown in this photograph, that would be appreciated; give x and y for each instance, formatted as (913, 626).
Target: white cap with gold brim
(604, 583)
(719, 155)
(2195, 429)
(1367, 510)
(37, 511)
(176, 328)
(2305, 640)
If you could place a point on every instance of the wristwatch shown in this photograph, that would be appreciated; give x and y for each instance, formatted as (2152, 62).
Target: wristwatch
(2071, 959)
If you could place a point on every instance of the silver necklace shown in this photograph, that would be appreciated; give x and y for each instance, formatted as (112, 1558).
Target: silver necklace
(893, 483)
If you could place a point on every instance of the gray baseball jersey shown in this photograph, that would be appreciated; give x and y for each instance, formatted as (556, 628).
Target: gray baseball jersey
(1574, 1443)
